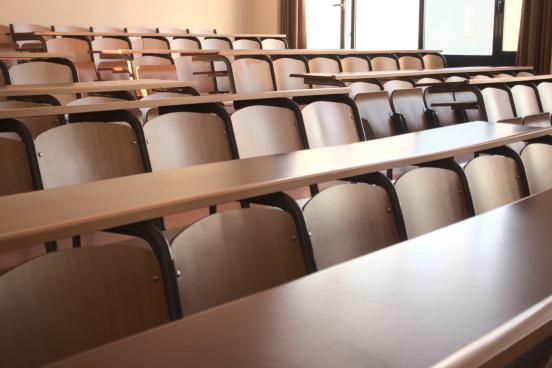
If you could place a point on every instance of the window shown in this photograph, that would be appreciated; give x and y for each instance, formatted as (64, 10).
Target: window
(389, 24)
(469, 31)
(512, 22)
(323, 24)
(459, 27)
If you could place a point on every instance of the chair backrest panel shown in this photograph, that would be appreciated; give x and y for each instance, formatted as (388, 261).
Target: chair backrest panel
(537, 159)
(83, 152)
(348, 221)
(35, 125)
(223, 84)
(410, 104)
(497, 104)
(236, 253)
(266, 130)
(363, 87)
(273, 44)
(81, 48)
(545, 94)
(329, 124)
(245, 44)
(383, 63)
(14, 167)
(252, 75)
(525, 100)
(323, 65)
(183, 139)
(43, 72)
(494, 181)
(186, 68)
(283, 67)
(410, 62)
(395, 84)
(355, 64)
(432, 61)
(375, 110)
(431, 198)
(69, 301)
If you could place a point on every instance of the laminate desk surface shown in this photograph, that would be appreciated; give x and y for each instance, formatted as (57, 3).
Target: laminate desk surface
(536, 78)
(35, 55)
(144, 34)
(322, 52)
(188, 100)
(89, 87)
(356, 76)
(463, 296)
(59, 213)
(155, 51)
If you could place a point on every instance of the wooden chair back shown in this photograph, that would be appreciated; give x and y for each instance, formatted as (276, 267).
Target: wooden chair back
(36, 125)
(266, 130)
(377, 115)
(396, 84)
(498, 104)
(545, 94)
(82, 152)
(537, 159)
(182, 139)
(283, 67)
(222, 83)
(252, 75)
(409, 62)
(186, 69)
(526, 101)
(494, 181)
(273, 44)
(363, 87)
(384, 63)
(68, 301)
(41, 71)
(236, 253)
(329, 123)
(14, 167)
(355, 64)
(348, 221)
(434, 61)
(409, 103)
(431, 198)
(246, 44)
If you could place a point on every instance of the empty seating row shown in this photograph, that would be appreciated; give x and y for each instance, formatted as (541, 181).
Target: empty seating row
(233, 253)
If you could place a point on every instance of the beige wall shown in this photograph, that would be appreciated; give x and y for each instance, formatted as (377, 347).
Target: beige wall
(225, 15)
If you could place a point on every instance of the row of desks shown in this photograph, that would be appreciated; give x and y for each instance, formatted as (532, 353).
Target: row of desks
(64, 212)
(462, 296)
(340, 78)
(478, 293)
(140, 34)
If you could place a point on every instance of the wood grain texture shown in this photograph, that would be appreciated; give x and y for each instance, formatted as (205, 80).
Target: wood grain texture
(79, 153)
(266, 130)
(492, 273)
(408, 62)
(348, 221)
(183, 139)
(149, 34)
(221, 258)
(393, 73)
(430, 198)
(34, 221)
(494, 181)
(14, 167)
(144, 84)
(252, 75)
(410, 104)
(375, 110)
(317, 52)
(537, 159)
(433, 62)
(69, 301)
(329, 124)
(36, 125)
(91, 87)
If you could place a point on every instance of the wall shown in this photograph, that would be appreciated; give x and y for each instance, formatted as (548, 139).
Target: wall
(231, 16)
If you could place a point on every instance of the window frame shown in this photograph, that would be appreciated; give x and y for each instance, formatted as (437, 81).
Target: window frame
(498, 57)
